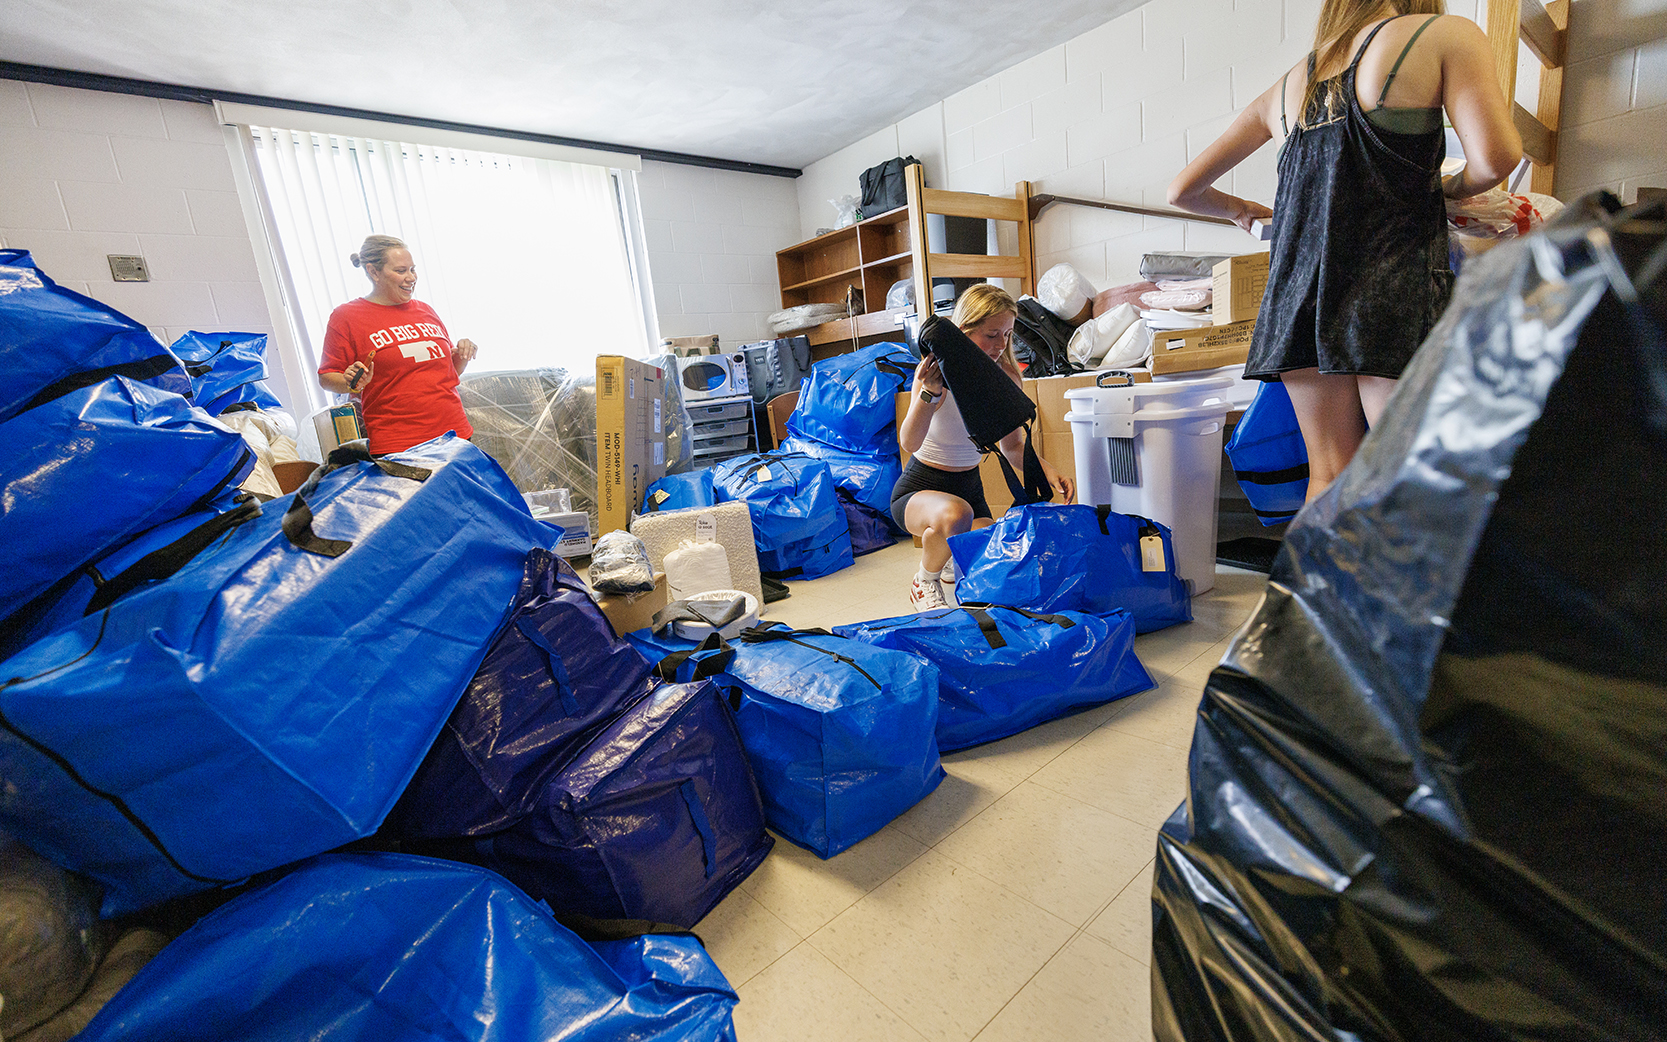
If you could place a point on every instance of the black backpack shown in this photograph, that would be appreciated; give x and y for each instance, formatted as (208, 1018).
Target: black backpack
(883, 187)
(1042, 340)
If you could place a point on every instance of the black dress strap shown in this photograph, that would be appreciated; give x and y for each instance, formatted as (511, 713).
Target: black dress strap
(1403, 57)
(1368, 41)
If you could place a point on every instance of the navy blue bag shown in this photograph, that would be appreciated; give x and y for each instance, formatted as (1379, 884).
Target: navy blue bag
(84, 473)
(679, 491)
(798, 526)
(272, 698)
(868, 476)
(1269, 458)
(1003, 670)
(870, 529)
(227, 369)
(389, 946)
(840, 734)
(1052, 558)
(657, 818)
(54, 340)
(849, 401)
(554, 676)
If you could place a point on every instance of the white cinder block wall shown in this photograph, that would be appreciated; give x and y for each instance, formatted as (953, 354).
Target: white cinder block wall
(712, 242)
(88, 174)
(1116, 112)
(1613, 131)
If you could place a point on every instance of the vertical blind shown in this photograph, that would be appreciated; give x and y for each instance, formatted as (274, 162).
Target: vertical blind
(527, 257)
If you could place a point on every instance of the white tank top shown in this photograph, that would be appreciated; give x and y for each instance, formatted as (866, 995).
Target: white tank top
(947, 443)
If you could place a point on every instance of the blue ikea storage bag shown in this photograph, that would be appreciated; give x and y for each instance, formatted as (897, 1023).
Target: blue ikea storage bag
(227, 370)
(554, 676)
(680, 491)
(798, 526)
(657, 818)
(389, 946)
(1003, 670)
(841, 734)
(1051, 558)
(849, 401)
(84, 473)
(868, 476)
(54, 340)
(273, 697)
(1269, 458)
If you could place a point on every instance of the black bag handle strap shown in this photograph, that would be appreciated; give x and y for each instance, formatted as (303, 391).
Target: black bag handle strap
(713, 613)
(139, 371)
(162, 563)
(298, 519)
(1053, 620)
(772, 631)
(986, 625)
(1101, 514)
(1034, 488)
(706, 667)
(886, 365)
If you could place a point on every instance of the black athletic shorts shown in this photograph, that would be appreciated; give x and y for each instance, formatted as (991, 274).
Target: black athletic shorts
(923, 477)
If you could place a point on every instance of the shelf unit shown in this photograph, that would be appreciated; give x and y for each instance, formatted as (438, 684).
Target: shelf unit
(876, 253)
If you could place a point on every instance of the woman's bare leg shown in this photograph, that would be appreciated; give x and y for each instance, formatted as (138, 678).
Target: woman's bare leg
(1329, 413)
(1374, 395)
(935, 516)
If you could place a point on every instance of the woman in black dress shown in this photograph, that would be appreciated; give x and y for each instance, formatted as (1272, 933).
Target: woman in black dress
(1359, 273)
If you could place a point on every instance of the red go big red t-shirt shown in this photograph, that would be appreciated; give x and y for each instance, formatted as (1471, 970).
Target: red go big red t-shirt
(412, 394)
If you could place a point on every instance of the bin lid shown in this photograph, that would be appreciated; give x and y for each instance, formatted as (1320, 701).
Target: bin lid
(1161, 395)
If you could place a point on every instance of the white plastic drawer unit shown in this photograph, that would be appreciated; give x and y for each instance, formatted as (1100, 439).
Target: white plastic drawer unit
(722, 447)
(719, 429)
(739, 410)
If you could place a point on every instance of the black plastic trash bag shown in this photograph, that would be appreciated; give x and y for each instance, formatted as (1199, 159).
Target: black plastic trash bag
(1428, 786)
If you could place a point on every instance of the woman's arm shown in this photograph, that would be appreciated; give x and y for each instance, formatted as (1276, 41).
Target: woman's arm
(911, 433)
(1478, 110)
(1192, 188)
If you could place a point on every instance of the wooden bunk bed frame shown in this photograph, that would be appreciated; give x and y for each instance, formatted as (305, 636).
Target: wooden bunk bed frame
(1545, 30)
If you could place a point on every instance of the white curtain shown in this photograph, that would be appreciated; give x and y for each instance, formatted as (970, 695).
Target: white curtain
(527, 257)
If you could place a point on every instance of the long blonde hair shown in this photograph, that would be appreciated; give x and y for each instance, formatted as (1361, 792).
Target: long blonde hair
(981, 302)
(1340, 22)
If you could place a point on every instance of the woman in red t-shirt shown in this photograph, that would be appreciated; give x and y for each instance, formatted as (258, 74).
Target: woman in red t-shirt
(394, 353)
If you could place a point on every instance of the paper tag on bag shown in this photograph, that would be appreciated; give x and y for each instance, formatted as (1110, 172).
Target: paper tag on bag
(762, 474)
(1152, 557)
(706, 528)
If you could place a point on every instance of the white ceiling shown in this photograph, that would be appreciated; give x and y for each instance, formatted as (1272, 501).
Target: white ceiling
(782, 83)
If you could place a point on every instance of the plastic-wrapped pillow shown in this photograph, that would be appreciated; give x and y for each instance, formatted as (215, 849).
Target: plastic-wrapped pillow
(1095, 338)
(1063, 291)
(620, 564)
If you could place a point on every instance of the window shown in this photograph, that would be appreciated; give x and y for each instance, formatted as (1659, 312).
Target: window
(535, 259)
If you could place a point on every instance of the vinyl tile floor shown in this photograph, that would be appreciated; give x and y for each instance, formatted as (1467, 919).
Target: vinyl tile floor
(1013, 903)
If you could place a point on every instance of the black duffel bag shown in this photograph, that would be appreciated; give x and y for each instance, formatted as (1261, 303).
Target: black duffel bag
(1042, 340)
(883, 187)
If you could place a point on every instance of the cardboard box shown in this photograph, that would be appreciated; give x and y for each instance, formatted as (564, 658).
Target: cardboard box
(630, 437)
(1237, 286)
(1189, 350)
(633, 611)
(575, 533)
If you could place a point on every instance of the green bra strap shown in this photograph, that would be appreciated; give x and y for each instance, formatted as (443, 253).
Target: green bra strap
(1397, 67)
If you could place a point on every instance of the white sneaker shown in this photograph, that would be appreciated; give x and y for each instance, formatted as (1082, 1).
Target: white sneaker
(949, 587)
(926, 594)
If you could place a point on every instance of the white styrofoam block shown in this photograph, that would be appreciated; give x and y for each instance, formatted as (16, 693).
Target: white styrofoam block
(161, 303)
(216, 213)
(96, 111)
(723, 269)
(1152, 162)
(125, 208)
(1114, 129)
(69, 256)
(1597, 88)
(1035, 159)
(1149, 72)
(713, 299)
(1103, 46)
(32, 202)
(696, 237)
(192, 121)
(958, 150)
(57, 154)
(665, 531)
(199, 258)
(1076, 102)
(971, 106)
(14, 104)
(1033, 77)
(1005, 130)
(240, 305)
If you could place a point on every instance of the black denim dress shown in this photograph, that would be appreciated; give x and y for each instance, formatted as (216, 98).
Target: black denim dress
(1359, 272)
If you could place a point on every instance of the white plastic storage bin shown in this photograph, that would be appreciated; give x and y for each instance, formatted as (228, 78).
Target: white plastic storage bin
(1166, 464)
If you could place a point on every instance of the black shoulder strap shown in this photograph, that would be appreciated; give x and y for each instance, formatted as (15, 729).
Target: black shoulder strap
(298, 519)
(1368, 41)
(1034, 488)
(161, 563)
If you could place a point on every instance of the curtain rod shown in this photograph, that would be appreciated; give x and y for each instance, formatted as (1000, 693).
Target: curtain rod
(204, 95)
(1037, 202)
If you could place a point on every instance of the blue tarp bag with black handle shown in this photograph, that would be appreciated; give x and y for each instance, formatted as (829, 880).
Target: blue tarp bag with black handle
(798, 525)
(849, 401)
(1269, 458)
